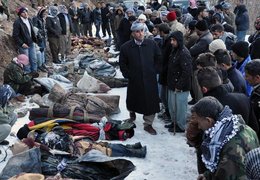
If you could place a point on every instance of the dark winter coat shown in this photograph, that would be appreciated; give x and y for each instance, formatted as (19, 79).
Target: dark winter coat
(74, 13)
(202, 44)
(179, 65)
(86, 16)
(40, 24)
(166, 52)
(255, 102)
(237, 80)
(255, 45)
(63, 23)
(21, 33)
(242, 18)
(104, 13)
(138, 64)
(238, 103)
(124, 31)
(53, 27)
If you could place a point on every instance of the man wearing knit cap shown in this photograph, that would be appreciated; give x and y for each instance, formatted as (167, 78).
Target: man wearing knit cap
(240, 53)
(229, 16)
(139, 62)
(174, 24)
(24, 37)
(216, 45)
(14, 75)
(201, 46)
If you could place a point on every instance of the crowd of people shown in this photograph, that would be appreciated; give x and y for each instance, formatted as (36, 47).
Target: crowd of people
(167, 53)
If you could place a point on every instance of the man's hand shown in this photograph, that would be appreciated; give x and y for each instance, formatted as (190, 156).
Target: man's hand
(201, 177)
(25, 46)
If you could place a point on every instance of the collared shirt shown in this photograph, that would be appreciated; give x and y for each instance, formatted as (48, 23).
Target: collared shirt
(139, 43)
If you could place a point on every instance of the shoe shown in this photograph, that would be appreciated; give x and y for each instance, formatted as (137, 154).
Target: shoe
(4, 143)
(192, 102)
(132, 116)
(134, 146)
(150, 129)
(169, 125)
(177, 129)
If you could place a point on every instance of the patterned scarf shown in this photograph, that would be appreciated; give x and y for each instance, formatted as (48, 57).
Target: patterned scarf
(225, 128)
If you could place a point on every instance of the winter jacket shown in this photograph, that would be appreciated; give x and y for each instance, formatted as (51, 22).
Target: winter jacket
(238, 103)
(255, 45)
(179, 66)
(73, 13)
(104, 13)
(255, 102)
(97, 16)
(14, 76)
(231, 159)
(176, 26)
(40, 24)
(202, 44)
(21, 33)
(237, 80)
(53, 27)
(166, 52)
(241, 68)
(139, 65)
(242, 18)
(86, 16)
(191, 39)
(124, 31)
(229, 39)
(63, 24)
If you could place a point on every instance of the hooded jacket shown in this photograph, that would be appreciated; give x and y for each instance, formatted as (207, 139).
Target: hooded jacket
(179, 65)
(242, 18)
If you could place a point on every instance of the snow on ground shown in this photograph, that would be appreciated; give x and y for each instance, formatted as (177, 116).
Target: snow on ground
(168, 156)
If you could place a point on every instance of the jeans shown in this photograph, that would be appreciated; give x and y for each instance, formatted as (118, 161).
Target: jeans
(241, 35)
(30, 52)
(178, 106)
(97, 25)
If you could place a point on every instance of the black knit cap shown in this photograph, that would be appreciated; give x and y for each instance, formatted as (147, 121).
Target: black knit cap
(241, 48)
(23, 132)
(202, 25)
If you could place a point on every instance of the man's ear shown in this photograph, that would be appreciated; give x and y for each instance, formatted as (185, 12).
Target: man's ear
(211, 121)
(204, 89)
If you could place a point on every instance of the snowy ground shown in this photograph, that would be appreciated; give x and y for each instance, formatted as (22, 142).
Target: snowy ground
(168, 156)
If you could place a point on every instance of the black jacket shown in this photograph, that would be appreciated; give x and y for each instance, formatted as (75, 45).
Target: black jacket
(139, 65)
(255, 45)
(242, 18)
(255, 102)
(179, 65)
(238, 102)
(63, 23)
(39, 23)
(53, 27)
(237, 80)
(21, 33)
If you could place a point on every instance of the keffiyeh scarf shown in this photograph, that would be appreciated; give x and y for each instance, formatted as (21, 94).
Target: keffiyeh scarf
(225, 128)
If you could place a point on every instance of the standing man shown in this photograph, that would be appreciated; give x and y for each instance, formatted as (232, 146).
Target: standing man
(97, 18)
(24, 37)
(105, 20)
(252, 76)
(74, 14)
(138, 62)
(241, 20)
(178, 82)
(66, 26)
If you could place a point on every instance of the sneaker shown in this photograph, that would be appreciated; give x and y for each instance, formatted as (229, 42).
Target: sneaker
(4, 143)
(150, 129)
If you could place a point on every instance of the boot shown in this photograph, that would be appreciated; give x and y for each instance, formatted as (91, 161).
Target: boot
(134, 146)
(139, 153)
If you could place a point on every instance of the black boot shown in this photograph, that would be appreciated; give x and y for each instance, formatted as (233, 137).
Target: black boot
(139, 153)
(134, 146)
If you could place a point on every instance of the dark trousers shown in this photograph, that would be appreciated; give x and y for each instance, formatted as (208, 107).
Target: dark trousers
(87, 29)
(105, 27)
(55, 48)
